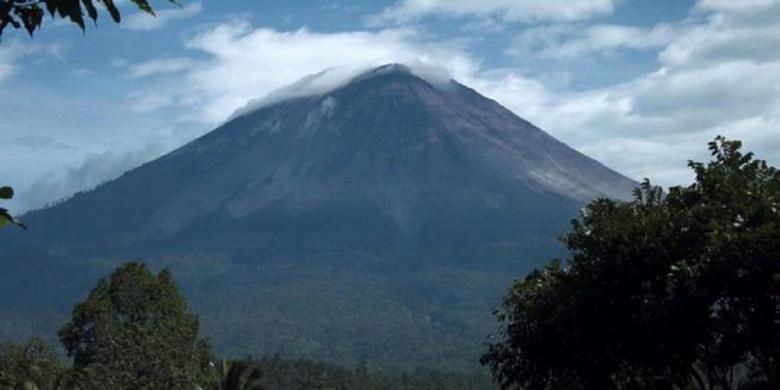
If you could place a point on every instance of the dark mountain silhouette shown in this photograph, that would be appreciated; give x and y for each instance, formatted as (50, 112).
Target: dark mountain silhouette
(378, 221)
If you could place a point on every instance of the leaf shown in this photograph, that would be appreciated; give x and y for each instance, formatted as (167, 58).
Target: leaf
(6, 218)
(111, 7)
(91, 10)
(6, 192)
(73, 11)
(51, 6)
(143, 5)
(31, 17)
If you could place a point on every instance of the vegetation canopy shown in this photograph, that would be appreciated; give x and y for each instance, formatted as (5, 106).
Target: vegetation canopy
(30, 13)
(671, 290)
(137, 328)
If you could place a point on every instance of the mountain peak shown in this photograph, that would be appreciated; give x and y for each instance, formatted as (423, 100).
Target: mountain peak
(387, 139)
(391, 68)
(434, 76)
(331, 79)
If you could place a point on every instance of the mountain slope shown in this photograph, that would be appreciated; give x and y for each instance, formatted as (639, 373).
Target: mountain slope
(390, 205)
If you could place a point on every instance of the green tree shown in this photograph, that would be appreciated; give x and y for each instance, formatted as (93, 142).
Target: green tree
(93, 377)
(673, 290)
(235, 375)
(29, 14)
(32, 365)
(137, 328)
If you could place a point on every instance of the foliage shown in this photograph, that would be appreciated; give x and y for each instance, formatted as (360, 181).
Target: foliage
(6, 192)
(671, 290)
(113, 322)
(93, 377)
(31, 365)
(307, 374)
(137, 328)
(235, 375)
(343, 313)
(30, 13)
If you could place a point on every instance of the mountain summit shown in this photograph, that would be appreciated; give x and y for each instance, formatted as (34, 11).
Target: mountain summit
(391, 194)
(388, 140)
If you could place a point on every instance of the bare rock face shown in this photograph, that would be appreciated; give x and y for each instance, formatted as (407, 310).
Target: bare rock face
(390, 174)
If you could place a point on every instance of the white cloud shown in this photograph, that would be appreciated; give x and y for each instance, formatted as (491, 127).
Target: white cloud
(738, 30)
(568, 42)
(508, 10)
(9, 55)
(143, 21)
(751, 6)
(706, 96)
(245, 63)
(333, 78)
(12, 52)
(159, 66)
(718, 72)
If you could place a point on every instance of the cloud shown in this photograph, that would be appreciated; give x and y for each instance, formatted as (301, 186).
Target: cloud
(508, 10)
(244, 63)
(569, 42)
(9, 55)
(750, 6)
(12, 52)
(333, 78)
(143, 21)
(733, 31)
(160, 66)
(717, 73)
(40, 142)
(94, 170)
(142, 102)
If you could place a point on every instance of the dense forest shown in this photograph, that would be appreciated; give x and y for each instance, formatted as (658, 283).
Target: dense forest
(135, 331)
(674, 290)
(36, 362)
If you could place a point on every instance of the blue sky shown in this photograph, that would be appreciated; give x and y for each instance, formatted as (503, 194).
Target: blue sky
(640, 85)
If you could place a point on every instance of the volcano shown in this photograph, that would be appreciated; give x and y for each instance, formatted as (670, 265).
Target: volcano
(379, 220)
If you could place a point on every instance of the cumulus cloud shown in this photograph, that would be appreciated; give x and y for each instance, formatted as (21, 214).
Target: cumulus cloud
(508, 10)
(717, 73)
(245, 63)
(733, 31)
(146, 22)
